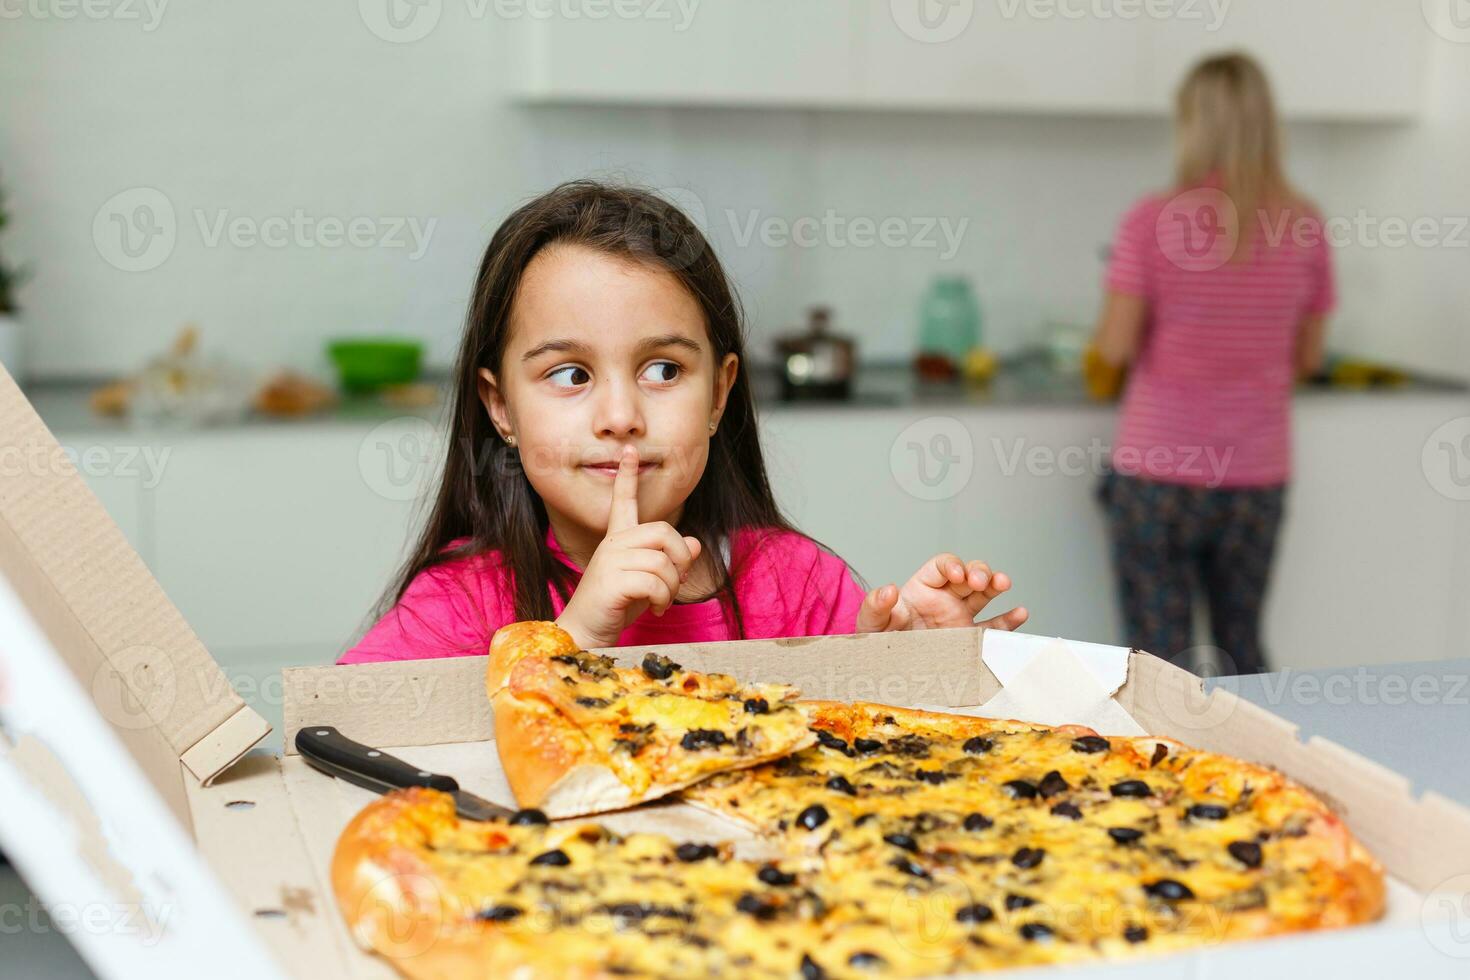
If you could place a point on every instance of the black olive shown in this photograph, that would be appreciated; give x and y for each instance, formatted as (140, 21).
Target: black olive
(909, 867)
(934, 777)
(1015, 902)
(753, 906)
(865, 960)
(979, 745)
(757, 706)
(523, 818)
(812, 817)
(689, 853)
(867, 746)
(498, 913)
(1246, 852)
(771, 875)
(865, 818)
(1020, 789)
(810, 970)
(594, 702)
(658, 668)
(974, 913)
(1052, 783)
(1135, 934)
(555, 859)
(1032, 931)
(1168, 889)
(1161, 752)
(830, 741)
(701, 738)
(842, 785)
(1124, 835)
(1132, 788)
(630, 911)
(1206, 811)
(1028, 857)
(902, 840)
(1090, 744)
(978, 821)
(1069, 810)
(910, 746)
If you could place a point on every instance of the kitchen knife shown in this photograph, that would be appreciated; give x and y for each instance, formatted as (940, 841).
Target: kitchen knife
(333, 753)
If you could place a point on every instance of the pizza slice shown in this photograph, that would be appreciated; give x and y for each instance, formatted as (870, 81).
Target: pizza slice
(577, 734)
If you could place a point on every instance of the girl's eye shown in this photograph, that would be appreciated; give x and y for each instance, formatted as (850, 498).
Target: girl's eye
(571, 382)
(574, 375)
(664, 371)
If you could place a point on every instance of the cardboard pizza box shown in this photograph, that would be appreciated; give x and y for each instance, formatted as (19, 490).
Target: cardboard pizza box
(132, 803)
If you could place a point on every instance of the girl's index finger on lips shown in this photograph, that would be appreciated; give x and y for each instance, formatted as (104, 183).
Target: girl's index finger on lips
(624, 511)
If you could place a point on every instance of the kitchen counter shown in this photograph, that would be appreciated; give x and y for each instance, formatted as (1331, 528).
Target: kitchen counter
(1021, 382)
(271, 533)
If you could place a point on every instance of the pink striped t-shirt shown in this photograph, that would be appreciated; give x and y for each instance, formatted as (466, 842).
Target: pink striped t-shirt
(1208, 399)
(787, 585)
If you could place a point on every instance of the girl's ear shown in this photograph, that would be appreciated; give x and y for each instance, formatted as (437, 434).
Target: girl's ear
(725, 373)
(494, 401)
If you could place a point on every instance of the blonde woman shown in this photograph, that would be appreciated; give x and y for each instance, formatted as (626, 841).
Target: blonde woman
(1217, 297)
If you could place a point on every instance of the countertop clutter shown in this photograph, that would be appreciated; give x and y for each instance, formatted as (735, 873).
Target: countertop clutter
(1021, 380)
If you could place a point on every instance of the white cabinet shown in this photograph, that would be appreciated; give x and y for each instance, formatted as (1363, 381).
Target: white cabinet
(275, 535)
(1331, 59)
(779, 52)
(999, 58)
(831, 474)
(1328, 59)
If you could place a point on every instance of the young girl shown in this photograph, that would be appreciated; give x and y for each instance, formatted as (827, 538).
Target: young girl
(1218, 295)
(604, 469)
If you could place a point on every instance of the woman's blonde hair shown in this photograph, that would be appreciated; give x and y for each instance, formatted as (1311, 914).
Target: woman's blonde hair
(1226, 131)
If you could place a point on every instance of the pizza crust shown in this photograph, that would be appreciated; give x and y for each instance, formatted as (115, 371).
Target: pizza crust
(550, 763)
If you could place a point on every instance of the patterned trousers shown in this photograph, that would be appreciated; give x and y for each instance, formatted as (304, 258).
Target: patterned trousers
(1170, 540)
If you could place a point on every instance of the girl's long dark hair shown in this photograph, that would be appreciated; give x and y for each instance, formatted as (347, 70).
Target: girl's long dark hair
(485, 497)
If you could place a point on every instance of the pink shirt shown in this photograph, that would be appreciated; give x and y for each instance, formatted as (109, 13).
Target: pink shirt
(788, 586)
(1208, 400)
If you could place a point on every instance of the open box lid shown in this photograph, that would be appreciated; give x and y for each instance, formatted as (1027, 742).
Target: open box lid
(149, 675)
(111, 713)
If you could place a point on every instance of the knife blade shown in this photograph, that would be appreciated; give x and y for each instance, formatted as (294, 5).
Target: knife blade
(328, 750)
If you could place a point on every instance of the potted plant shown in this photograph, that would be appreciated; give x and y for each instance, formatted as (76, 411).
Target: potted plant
(11, 353)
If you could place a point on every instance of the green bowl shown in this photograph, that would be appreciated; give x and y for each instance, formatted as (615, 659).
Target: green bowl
(368, 363)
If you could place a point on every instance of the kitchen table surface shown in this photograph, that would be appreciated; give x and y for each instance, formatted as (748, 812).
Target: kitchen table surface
(1413, 718)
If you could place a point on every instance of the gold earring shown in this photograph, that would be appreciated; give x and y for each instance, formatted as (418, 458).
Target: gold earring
(510, 440)
(712, 426)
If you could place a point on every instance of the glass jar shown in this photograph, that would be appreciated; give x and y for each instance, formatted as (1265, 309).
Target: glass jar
(949, 318)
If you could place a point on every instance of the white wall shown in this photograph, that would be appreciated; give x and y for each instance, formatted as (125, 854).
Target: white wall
(256, 110)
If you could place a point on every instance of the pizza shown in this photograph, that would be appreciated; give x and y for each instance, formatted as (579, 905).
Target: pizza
(900, 843)
(1058, 834)
(577, 734)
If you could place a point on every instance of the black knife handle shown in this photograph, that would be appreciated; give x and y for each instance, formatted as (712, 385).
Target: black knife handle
(335, 754)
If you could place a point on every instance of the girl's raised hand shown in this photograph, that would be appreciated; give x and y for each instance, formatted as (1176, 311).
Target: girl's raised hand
(636, 567)
(945, 592)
